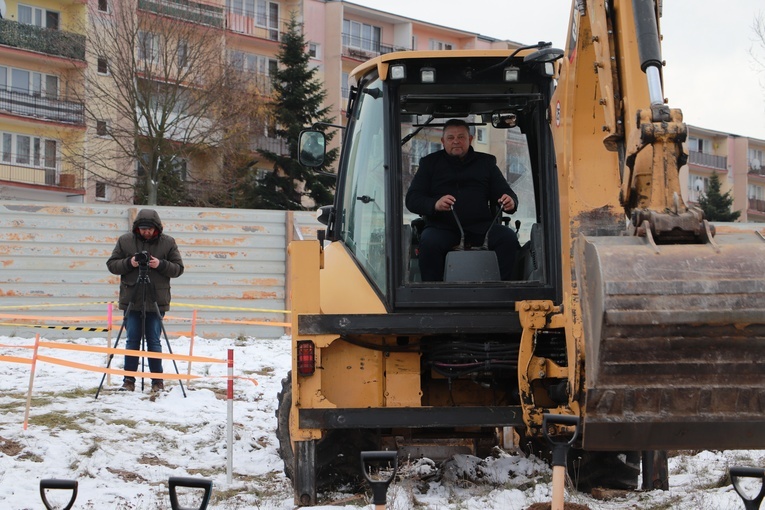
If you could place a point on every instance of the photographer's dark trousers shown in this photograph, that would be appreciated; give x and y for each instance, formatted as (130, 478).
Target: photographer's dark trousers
(153, 344)
(436, 242)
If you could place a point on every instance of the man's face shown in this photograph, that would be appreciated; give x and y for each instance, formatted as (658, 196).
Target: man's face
(456, 140)
(147, 232)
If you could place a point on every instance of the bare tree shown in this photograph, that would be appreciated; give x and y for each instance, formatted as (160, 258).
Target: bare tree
(159, 93)
(758, 54)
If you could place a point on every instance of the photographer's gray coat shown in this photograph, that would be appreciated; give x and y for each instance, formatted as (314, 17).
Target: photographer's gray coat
(161, 246)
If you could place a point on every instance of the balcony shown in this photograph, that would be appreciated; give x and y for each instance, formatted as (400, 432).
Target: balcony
(24, 104)
(185, 10)
(42, 40)
(276, 145)
(756, 205)
(272, 29)
(708, 160)
(66, 178)
(364, 49)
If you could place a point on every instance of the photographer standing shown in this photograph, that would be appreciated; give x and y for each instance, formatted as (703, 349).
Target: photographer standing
(145, 250)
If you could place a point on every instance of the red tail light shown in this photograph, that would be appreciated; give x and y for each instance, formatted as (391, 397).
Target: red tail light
(306, 357)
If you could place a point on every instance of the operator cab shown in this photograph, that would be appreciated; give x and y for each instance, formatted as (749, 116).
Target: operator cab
(397, 108)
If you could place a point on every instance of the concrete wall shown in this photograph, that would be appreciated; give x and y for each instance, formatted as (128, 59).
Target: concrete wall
(55, 254)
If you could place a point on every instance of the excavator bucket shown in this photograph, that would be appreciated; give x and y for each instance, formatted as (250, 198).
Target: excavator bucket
(675, 343)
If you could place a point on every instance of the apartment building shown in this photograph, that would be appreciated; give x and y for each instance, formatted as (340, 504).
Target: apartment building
(42, 49)
(43, 121)
(737, 160)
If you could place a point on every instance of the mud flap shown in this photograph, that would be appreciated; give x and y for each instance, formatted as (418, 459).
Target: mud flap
(675, 343)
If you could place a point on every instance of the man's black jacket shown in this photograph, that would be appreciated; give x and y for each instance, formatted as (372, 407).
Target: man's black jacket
(474, 181)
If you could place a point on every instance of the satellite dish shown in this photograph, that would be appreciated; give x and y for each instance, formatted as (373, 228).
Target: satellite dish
(2, 9)
(699, 185)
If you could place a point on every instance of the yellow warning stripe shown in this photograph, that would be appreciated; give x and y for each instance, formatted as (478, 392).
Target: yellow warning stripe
(214, 307)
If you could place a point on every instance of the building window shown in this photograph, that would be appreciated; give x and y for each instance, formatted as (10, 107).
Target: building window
(178, 167)
(313, 50)
(755, 192)
(29, 150)
(103, 65)
(440, 45)
(102, 191)
(148, 46)
(480, 135)
(29, 82)
(102, 129)
(38, 17)
(103, 5)
(361, 35)
(182, 52)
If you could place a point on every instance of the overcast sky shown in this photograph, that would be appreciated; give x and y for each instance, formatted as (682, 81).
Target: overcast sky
(710, 74)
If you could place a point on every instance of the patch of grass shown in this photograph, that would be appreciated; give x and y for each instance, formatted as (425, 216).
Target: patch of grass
(265, 371)
(57, 421)
(32, 457)
(153, 460)
(90, 451)
(127, 423)
(172, 426)
(10, 447)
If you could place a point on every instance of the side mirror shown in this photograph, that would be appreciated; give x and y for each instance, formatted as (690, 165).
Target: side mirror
(504, 119)
(312, 146)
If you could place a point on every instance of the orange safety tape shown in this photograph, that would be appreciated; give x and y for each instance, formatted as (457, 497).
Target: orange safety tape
(130, 352)
(18, 346)
(49, 305)
(114, 371)
(15, 359)
(73, 328)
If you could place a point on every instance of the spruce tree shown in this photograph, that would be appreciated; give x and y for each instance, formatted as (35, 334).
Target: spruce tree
(298, 99)
(715, 205)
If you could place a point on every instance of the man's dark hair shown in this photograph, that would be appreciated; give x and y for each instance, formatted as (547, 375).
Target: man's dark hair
(456, 122)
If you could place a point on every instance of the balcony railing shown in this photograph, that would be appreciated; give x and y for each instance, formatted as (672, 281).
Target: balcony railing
(256, 26)
(363, 49)
(38, 106)
(43, 40)
(65, 178)
(756, 205)
(275, 145)
(708, 160)
(186, 10)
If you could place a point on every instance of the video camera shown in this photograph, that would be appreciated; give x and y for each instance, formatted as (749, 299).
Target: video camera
(143, 258)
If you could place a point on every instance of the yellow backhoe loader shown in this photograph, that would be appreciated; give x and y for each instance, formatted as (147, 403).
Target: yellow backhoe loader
(626, 310)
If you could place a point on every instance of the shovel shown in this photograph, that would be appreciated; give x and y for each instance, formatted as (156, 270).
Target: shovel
(196, 483)
(58, 484)
(560, 452)
(380, 485)
(747, 472)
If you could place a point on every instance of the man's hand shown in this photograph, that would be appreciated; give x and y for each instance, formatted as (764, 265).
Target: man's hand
(507, 202)
(153, 262)
(445, 203)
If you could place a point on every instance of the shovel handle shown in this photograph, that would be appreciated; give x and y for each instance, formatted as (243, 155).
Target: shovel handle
(52, 483)
(748, 472)
(379, 487)
(194, 483)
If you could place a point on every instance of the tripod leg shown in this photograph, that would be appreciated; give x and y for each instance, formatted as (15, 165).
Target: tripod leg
(117, 341)
(169, 349)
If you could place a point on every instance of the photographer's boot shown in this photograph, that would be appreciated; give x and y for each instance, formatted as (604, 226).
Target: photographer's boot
(128, 384)
(157, 385)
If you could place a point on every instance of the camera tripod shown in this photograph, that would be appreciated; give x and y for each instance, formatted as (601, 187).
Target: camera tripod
(143, 284)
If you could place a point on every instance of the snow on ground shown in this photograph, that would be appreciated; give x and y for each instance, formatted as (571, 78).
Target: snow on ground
(123, 447)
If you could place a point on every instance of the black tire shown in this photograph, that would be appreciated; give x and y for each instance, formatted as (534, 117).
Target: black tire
(609, 470)
(338, 459)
